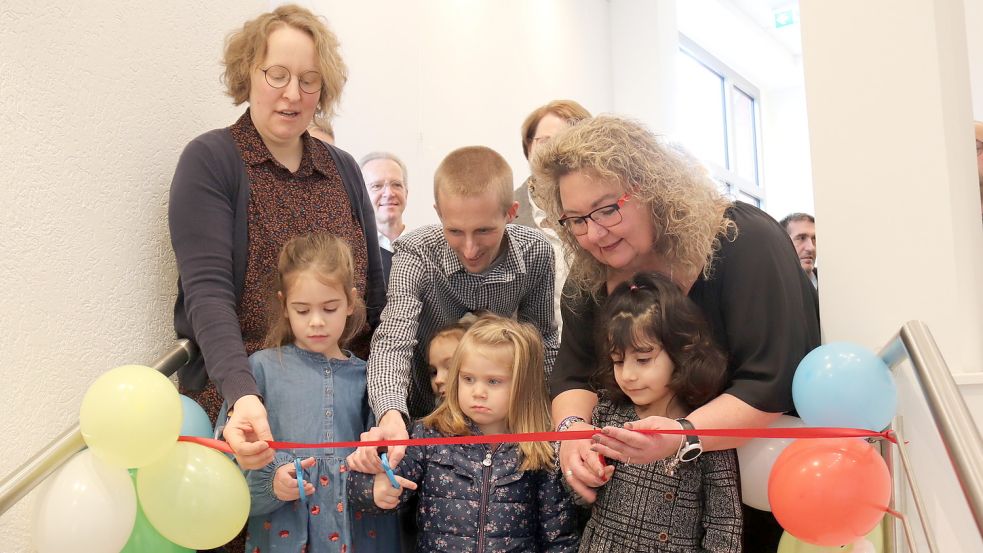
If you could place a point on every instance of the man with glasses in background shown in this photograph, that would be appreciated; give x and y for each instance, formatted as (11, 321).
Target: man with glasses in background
(385, 179)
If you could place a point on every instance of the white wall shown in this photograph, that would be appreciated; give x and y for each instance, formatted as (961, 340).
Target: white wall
(974, 43)
(429, 77)
(889, 109)
(96, 102)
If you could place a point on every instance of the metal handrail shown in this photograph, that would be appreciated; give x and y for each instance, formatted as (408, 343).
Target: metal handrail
(952, 419)
(20, 482)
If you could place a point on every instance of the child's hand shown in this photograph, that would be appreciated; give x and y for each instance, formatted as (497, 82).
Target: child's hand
(385, 495)
(285, 481)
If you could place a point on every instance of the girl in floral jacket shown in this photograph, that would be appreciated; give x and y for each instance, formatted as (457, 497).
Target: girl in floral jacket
(478, 497)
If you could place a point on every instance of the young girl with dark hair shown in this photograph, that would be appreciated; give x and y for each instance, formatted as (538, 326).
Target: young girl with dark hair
(661, 362)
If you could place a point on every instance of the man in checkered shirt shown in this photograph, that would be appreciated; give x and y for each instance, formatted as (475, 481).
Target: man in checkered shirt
(472, 261)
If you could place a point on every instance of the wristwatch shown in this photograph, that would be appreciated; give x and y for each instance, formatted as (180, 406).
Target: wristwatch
(692, 447)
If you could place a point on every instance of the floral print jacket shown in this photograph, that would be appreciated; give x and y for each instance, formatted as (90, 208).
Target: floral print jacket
(473, 499)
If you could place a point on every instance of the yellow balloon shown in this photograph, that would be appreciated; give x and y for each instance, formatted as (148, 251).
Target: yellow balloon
(130, 416)
(871, 543)
(194, 496)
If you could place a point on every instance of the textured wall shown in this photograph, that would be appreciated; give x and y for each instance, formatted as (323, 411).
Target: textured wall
(96, 102)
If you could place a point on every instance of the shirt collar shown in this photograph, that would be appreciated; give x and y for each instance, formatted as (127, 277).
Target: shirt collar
(256, 151)
(384, 242)
(512, 264)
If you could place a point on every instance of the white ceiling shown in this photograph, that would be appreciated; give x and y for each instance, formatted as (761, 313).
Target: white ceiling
(762, 12)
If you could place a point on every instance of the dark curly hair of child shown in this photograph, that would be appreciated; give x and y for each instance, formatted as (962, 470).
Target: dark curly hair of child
(650, 311)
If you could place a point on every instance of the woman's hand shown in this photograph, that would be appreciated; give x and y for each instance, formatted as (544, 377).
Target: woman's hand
(582, 468)
(636, 448)
(385, 495)
(285, 481)
(247, 432)
(366, 459)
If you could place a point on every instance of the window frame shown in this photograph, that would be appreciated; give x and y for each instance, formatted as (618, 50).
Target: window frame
(731, 183)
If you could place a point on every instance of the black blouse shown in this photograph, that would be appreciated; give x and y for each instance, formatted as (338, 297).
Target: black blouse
(761, 307)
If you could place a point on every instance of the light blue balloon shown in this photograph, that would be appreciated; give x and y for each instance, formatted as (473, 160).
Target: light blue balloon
(842, 384)
(195, 422)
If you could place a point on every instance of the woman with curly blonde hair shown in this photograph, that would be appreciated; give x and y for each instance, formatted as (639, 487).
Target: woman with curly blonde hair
(628, 203)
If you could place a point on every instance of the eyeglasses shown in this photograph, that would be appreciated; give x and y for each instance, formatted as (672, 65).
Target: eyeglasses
(606, 216)
(278, 76)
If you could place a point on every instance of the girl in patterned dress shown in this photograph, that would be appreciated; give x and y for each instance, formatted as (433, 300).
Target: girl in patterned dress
(662, 361)
(314, 391)
(493, 498)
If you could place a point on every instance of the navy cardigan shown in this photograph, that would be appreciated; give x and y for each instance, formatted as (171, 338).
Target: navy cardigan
(208, 221)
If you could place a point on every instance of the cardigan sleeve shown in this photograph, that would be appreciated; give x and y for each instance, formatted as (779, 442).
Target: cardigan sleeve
(201, 219)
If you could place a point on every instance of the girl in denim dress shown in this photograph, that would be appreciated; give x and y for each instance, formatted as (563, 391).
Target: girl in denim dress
(314, 391)
(494, 498)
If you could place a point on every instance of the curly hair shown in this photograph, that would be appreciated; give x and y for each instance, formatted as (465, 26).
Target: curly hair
(521, 346)
(245, 50)
(331, 259)
(686, 208)
(649, 310)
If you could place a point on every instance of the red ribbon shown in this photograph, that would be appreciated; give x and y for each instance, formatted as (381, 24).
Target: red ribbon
(797, 433)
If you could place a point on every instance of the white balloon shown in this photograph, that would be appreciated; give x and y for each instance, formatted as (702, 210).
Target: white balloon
(86, 506)
(862, 545)
(757, 457)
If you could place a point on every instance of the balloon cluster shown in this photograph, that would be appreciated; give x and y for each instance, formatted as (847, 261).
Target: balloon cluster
(829, 494)
(136, 488)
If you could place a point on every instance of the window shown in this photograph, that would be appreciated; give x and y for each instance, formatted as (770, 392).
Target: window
(717, 121)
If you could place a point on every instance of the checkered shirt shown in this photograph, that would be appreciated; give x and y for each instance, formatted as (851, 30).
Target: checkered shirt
(429, 289)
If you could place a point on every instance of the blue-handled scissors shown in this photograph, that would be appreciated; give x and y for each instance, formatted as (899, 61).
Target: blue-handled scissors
(389, 470)
(300, 481)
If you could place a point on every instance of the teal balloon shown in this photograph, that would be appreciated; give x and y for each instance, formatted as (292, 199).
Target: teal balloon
(145, 537)
(842, 384)
(195, 421)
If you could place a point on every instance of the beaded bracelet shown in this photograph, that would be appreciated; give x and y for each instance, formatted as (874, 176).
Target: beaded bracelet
(568, 422)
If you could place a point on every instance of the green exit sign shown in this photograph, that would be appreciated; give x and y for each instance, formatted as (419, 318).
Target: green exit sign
(784, 18)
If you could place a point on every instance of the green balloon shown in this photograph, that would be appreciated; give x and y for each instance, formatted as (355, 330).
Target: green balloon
(871, 543)
(145, 538)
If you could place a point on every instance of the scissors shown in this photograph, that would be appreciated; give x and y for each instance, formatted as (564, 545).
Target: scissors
(300, 481)
(389, 470)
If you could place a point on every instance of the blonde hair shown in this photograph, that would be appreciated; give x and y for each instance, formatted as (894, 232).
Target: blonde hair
(568, 110)
(472, 171)
(528, 411)
(245, 50)
(322, 123)
(331, 260)
(686, 208)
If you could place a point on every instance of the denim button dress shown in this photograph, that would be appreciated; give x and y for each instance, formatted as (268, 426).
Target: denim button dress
(311, 399)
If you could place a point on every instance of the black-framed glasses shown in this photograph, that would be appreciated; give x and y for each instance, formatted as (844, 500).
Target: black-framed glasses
(278, 76)
(606, 216)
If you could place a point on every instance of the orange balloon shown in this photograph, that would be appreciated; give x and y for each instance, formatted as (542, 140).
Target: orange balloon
(830, 491)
